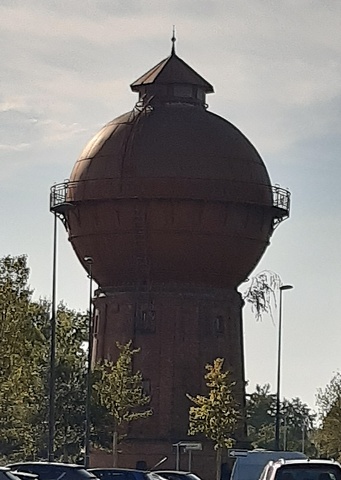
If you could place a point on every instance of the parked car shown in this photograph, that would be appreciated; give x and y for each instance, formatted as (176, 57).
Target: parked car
(123, 474)
(53, 470)
(250, 464)
(177, 475)
(306, 469)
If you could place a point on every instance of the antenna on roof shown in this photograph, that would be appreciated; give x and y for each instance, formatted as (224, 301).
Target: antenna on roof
(173, 41)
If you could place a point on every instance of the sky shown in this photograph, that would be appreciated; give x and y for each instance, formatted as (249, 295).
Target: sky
(66, 67)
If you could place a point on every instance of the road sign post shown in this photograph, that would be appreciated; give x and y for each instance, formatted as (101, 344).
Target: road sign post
(188, 447)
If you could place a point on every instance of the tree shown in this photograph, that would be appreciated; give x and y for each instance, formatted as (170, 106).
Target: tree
(24, 374)
(216, 415)
(297, 424)
(120, 392)
(70, 386)
(21, 348)
(261, 406)
(261, 294)
(328, 437)
(70, 383)
(260, 412)
(24, 370)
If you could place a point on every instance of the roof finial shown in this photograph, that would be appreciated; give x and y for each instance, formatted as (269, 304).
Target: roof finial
(173, 41)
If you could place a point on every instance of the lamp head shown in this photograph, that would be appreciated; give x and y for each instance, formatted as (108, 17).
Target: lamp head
(89, 260)
(286, 287)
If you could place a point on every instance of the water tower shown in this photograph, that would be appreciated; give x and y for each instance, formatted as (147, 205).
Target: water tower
(176, 208)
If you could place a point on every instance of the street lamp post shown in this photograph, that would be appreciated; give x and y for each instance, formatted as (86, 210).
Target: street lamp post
(89, 261)
(52, 377)
(277, 425)
(59, 207)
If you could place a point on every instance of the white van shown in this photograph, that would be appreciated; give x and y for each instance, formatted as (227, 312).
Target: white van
(249, 466)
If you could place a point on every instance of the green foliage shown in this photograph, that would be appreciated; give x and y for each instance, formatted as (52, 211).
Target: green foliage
(70, 386)
(328, 437)
(216, 415)
(21, 369)
(260, 412)
(70, 383)
(261, 406)
(297, 422)
(24, 370)
(118, 396)
(119, 390)
(298, 426)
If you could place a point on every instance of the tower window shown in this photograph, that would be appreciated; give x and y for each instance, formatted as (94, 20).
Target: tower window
(95, 329)
(201, 94)
(219, 324)
(183, 91)
(145, 321)
(146, 387)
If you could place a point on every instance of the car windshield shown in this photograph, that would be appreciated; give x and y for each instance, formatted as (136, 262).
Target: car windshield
(309, 472)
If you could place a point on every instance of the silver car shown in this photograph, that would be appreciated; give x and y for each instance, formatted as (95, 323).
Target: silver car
(302, 469)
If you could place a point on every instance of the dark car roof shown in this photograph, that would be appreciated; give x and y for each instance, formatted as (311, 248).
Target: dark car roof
(57, 464)
(53, 470)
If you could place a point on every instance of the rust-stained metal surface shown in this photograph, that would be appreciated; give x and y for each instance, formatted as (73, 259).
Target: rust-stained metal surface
(172, 152)
(184, 181)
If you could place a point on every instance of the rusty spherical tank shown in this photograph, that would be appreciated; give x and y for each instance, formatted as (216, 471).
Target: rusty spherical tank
(170, 193)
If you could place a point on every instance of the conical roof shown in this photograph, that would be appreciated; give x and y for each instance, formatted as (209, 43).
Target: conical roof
(172, 70)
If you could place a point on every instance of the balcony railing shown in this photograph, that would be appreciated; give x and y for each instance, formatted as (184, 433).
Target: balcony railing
(58, 195)
(59, 203)
(281, 198)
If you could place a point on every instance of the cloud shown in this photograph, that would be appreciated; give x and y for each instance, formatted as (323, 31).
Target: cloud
(17, 128)
(22, 129)
(19, 147)
(275, 66)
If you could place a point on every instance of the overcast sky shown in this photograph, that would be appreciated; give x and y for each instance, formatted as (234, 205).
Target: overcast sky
(66, 66)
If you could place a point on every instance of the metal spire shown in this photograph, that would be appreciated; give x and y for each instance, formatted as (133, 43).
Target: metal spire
(173, 41)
